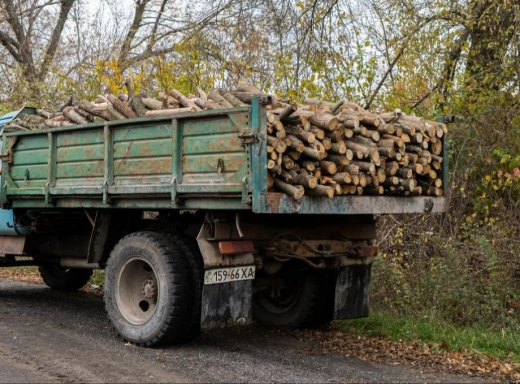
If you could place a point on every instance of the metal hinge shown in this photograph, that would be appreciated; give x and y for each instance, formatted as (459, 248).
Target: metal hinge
(248, 138)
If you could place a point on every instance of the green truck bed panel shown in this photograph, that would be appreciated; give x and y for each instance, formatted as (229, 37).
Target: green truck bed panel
(204, 160)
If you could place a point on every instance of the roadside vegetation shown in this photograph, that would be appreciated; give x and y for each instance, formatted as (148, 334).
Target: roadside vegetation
(451, 280)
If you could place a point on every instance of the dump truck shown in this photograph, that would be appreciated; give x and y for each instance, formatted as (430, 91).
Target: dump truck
(177, 212)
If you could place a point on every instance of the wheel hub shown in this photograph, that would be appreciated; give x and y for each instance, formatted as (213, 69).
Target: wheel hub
(149, 290)
(137, 290)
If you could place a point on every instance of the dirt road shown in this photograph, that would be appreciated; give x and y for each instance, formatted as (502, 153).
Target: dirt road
(53, 337)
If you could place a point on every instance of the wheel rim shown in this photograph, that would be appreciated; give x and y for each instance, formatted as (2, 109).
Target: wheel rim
(281, 299)
(137, 291)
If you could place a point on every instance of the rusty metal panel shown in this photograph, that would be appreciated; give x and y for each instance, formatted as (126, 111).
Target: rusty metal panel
(277, 203)
(136, 163)
(12, 245)
(213, 156)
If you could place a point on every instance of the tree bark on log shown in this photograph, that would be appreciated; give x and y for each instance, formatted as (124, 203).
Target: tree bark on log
(72, 115)
(183, 100)
(121, 107)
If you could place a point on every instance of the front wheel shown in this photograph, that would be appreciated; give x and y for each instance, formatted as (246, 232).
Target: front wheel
(64, 279)
(147, 295)
(291, 300)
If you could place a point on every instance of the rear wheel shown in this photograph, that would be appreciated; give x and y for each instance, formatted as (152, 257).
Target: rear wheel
(189, 249)
(291, 300)
(147, 296)
(64, 279)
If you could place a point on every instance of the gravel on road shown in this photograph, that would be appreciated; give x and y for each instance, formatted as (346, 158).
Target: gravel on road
(55, 337)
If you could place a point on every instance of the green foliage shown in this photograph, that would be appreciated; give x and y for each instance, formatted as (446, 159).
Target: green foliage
(471, 283)
(479, 339)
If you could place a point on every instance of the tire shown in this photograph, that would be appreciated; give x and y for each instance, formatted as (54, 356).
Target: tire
(147, 296)
(188, 247)
(64, 279)
(301, 302)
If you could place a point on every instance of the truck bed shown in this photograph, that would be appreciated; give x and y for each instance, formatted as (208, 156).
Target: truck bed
(204, 160)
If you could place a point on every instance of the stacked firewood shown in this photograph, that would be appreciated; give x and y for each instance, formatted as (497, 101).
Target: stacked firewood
(320, 148)
(314, 148)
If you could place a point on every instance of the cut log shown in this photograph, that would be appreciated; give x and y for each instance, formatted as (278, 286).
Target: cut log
(233, 100)
(385, 151)
(379, 190)
(352, 169)
(121, 107)
(397, 140)
(286, 177)
(287, 162)
(358, 148)
(56, 124)
(364, 166)
(294, 191)
(168, 112)
(87, 106)
(207, 104)
(328, 167)
(295, 155)
(321, 120)
(285, 116)
(318, 133)
(73, 116)
(278, 145)
(151, 103)
(321, 190)
(137, 105)
(405, 173)
(183, 100)
(114, 114)
(296, 143)
(305, 179)
(307, 137)
(342, 178)
(338, 159)
(314, 154)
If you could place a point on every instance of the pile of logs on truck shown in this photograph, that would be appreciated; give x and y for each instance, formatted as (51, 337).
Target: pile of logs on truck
(314, 148)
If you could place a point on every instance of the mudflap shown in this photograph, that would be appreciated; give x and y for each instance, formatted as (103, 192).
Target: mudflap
(227, 304)
(351, 293)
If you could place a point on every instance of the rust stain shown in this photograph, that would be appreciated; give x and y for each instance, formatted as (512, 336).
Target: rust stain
(273, 201)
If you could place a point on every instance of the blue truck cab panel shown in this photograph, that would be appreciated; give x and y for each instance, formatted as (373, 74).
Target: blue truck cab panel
(8, 226)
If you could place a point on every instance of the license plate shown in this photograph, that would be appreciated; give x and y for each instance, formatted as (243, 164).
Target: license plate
(226, 275)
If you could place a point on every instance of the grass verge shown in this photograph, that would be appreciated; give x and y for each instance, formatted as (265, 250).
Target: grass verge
(503, 344)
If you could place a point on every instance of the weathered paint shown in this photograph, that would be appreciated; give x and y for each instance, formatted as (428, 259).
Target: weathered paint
(354, 205)
(192, 156)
